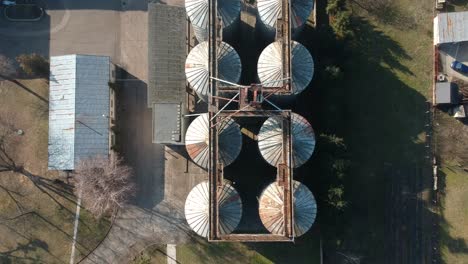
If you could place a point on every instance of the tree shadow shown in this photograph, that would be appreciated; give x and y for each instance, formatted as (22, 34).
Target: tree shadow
(380, 118)
(447, 240)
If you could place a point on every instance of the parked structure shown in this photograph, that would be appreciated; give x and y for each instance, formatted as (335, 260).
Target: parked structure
(269, 11)
(197, 209)
(450, 27)
(271, 204)
(196, 67)
(197, 11)
(166, 80)
(79, 109)
(270, 140)
(197, 140)
(270, 66)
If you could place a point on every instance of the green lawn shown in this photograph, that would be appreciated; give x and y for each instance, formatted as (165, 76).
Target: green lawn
(378, 108)
(38, 228)
(454, 224)
(306, 250)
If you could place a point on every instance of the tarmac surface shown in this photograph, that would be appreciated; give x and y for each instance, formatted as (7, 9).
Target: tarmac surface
(449, 53)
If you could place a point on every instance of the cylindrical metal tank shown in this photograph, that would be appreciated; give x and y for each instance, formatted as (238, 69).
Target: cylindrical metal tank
(270, 10)
(270, 66)
(270, 140)
(271, 204)
(197, 11)
(197, 140)
(197, 209)
(196, 67)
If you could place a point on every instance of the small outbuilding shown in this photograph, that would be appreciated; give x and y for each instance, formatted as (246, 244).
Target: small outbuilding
(446, 93)
(450, 27)
(79, 109)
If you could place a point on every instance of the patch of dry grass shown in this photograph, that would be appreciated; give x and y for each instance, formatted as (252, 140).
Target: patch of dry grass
(38, 227)
(454, 238)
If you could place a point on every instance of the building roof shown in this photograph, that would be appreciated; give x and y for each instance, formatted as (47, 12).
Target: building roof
(197, 139)
(197, 209)
(270, 66)
(196, 67)
(271, 204)
(450, 27)
(270, 140)
(78, 109)
(446, 93)
(166, 73)
(167, 118)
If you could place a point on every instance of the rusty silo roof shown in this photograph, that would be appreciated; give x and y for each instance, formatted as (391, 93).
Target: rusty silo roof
(197, 139)
(271, 208)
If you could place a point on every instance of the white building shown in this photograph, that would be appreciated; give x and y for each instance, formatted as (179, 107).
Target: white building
(79, 109)
(450, 27)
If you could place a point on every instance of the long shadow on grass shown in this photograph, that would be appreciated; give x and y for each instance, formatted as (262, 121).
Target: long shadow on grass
(380, 118)
(453, 244)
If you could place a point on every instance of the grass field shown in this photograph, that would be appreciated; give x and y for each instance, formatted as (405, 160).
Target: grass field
(38, 227)
(454, 234)
(381, 115)
(306, 250)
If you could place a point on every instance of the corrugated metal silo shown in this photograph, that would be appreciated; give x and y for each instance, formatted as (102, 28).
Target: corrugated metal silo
(270, 66)
(197, 140)
(197, 209)
(271, 208)
(197, 11)
(270, 140)
(196, 67)
(270, 10)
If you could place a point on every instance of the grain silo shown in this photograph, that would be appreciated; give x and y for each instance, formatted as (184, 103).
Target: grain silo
(197, 140)
(270, 10)
(196, 67)
(197, 209)
(270, 140)
(270, 66)
(228, 10)
(271, 208)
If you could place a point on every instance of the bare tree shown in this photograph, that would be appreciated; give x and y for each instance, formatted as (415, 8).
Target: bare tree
(7, 67)
(7, 142)
(103, 184)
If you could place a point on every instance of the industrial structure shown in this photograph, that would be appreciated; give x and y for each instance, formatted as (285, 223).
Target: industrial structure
(197, 140)
(197, 72)
(79, 109)
(197, 11)
(270, 140)
(166, 79)
(271, 211)
(269, 67)
(228, 101)
(270, 11)
(197, 208)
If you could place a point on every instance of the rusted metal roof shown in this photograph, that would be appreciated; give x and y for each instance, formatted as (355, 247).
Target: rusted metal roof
(450, 27)
(197, 140)
(271, 210)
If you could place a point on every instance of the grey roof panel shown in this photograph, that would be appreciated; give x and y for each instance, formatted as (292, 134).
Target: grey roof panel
(78, 109)
(450, 27)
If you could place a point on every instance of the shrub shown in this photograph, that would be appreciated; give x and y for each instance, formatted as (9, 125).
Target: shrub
(34, 64)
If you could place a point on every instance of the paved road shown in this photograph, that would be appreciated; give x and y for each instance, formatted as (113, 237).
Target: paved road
(164, 177)
(451, 52)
